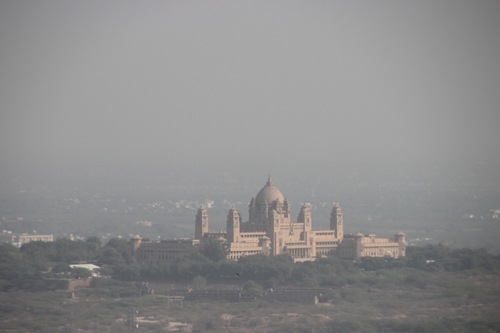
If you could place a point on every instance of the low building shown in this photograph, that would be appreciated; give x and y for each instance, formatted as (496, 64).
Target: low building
(91, 267)
(26, 238)
(20, 239)
(165, 250)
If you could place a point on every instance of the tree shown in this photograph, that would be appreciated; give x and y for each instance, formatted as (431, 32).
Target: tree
(39, 253)
(214, 250)
(69, 251)
(105, 271)
(284, 265)
(199, 282)
(13, 264)
(110, 256)
(373, 264)
(126, 271)
(252, 289)
(61, 267)
(305, 274)
(93, 244)
(81, 273)
(123, 248)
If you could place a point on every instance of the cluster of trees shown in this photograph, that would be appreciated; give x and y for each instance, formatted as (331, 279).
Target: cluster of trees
(440, 257)
(44, 259)
(331, 271)
(52, 259)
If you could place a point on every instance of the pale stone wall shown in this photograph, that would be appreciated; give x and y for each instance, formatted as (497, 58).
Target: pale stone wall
(23, 239)
(164, 251)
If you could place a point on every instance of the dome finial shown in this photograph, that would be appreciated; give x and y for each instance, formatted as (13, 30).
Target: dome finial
(269, 181)
(270, 193)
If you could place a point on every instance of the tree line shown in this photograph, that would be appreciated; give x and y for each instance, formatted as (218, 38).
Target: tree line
(208, 261)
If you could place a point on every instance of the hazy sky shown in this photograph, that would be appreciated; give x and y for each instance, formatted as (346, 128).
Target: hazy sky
(262, 81)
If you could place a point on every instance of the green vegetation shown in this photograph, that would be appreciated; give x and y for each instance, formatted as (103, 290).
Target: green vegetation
(432, 289)
(51, 260)
(446, 302)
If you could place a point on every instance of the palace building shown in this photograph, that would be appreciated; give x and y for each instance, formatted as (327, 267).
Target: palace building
(270, 231)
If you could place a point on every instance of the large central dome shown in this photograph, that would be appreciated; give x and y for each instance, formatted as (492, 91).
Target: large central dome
(269, 194)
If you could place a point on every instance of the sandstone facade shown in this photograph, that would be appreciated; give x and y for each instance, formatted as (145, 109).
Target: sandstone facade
(270, 231)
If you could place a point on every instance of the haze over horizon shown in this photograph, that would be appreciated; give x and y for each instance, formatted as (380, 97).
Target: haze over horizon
(255, 85)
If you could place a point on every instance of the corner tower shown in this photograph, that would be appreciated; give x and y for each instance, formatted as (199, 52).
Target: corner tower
(201, 223)
(305, 217)
(233, 225)
(336, 222)
(400, 239)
